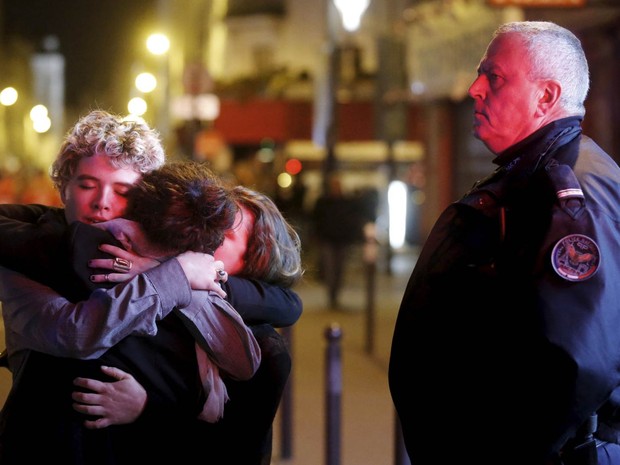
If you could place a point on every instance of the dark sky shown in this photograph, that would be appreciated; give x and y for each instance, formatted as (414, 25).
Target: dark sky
(99, 38)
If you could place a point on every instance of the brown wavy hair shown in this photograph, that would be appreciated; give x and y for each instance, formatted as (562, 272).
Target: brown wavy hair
(182, 206)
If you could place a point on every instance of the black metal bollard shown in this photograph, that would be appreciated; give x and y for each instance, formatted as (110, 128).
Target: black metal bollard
(333, 390)
(369, 254)
(286, 405)
(371, 273)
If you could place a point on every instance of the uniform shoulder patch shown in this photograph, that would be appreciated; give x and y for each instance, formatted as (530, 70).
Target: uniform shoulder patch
(575, 257)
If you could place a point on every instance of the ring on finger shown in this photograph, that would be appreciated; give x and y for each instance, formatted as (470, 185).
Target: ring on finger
(121, 265)
(221, 274)
(106, 278)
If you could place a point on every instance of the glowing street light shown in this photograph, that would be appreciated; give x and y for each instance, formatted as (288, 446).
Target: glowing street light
(137, 106)
(38, 112)
(351, 12)
(8, 96)
(158, 44)
(146, 82)
(41, 121)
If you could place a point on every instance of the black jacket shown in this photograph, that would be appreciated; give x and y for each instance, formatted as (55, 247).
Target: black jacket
(507, 336)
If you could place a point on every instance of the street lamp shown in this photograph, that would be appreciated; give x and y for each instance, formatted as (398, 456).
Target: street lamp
(137, 106)
(146, 82)
(351, 12)
(41, 121)
(159, 44)
(8, 97)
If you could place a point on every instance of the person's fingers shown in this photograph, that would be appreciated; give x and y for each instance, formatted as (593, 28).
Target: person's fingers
(221, 276)
(218, 290)
(104, 263)
(86, 398)
(109, 263)
(121, 265)
(99, 423)
(89, 384)
(115, 373)
(117, 264)
(116, 251)
(110, 278)
(120, 269)
(92, 410)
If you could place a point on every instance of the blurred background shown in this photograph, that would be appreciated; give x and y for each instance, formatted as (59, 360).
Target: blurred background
(283, 96)
(277, 94)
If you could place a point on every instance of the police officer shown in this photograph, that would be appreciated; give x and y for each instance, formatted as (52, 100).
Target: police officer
(507, 341)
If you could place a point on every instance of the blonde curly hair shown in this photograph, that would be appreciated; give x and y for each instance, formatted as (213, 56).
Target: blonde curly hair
(127, 144)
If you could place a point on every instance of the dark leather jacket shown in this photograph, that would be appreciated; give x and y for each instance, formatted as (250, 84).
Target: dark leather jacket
(510, 318)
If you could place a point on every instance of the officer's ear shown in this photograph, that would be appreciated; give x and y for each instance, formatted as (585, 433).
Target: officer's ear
(551, 90)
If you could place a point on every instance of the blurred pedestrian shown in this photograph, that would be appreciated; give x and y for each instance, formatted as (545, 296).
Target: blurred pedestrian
(337, 220)
(507, 341)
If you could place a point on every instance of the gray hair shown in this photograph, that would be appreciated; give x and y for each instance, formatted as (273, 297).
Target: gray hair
(127, 144)
(556, 53)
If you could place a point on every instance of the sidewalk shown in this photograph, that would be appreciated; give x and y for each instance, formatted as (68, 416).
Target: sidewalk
(367, 413)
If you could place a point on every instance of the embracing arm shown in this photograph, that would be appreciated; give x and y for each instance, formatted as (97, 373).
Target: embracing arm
(258, 302)
(38, 318)
(27, 235)
(218, 329)
(223, 335)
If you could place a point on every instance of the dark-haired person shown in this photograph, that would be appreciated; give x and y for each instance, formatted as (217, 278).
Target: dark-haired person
(262, 246)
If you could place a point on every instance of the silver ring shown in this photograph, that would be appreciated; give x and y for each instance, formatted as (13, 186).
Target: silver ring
(106, 278)
(121, 265)
(221, 275)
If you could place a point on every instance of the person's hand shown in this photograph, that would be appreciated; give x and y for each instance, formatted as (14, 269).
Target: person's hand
(203, 271)
(123, 267)
(131, 236)
(127, 232)
(116, 402)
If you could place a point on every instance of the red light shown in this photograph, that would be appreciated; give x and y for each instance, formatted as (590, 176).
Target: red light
(293, 166)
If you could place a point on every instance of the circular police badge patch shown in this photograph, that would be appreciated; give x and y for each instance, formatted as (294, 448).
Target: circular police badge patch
(576, 257)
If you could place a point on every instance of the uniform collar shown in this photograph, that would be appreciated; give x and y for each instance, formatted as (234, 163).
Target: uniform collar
(538, 144)
(517, 163)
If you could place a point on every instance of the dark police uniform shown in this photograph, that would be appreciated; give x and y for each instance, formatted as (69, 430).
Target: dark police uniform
(508, 334)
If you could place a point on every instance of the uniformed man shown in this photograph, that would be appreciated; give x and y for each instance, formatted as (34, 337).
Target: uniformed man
(507, 342)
